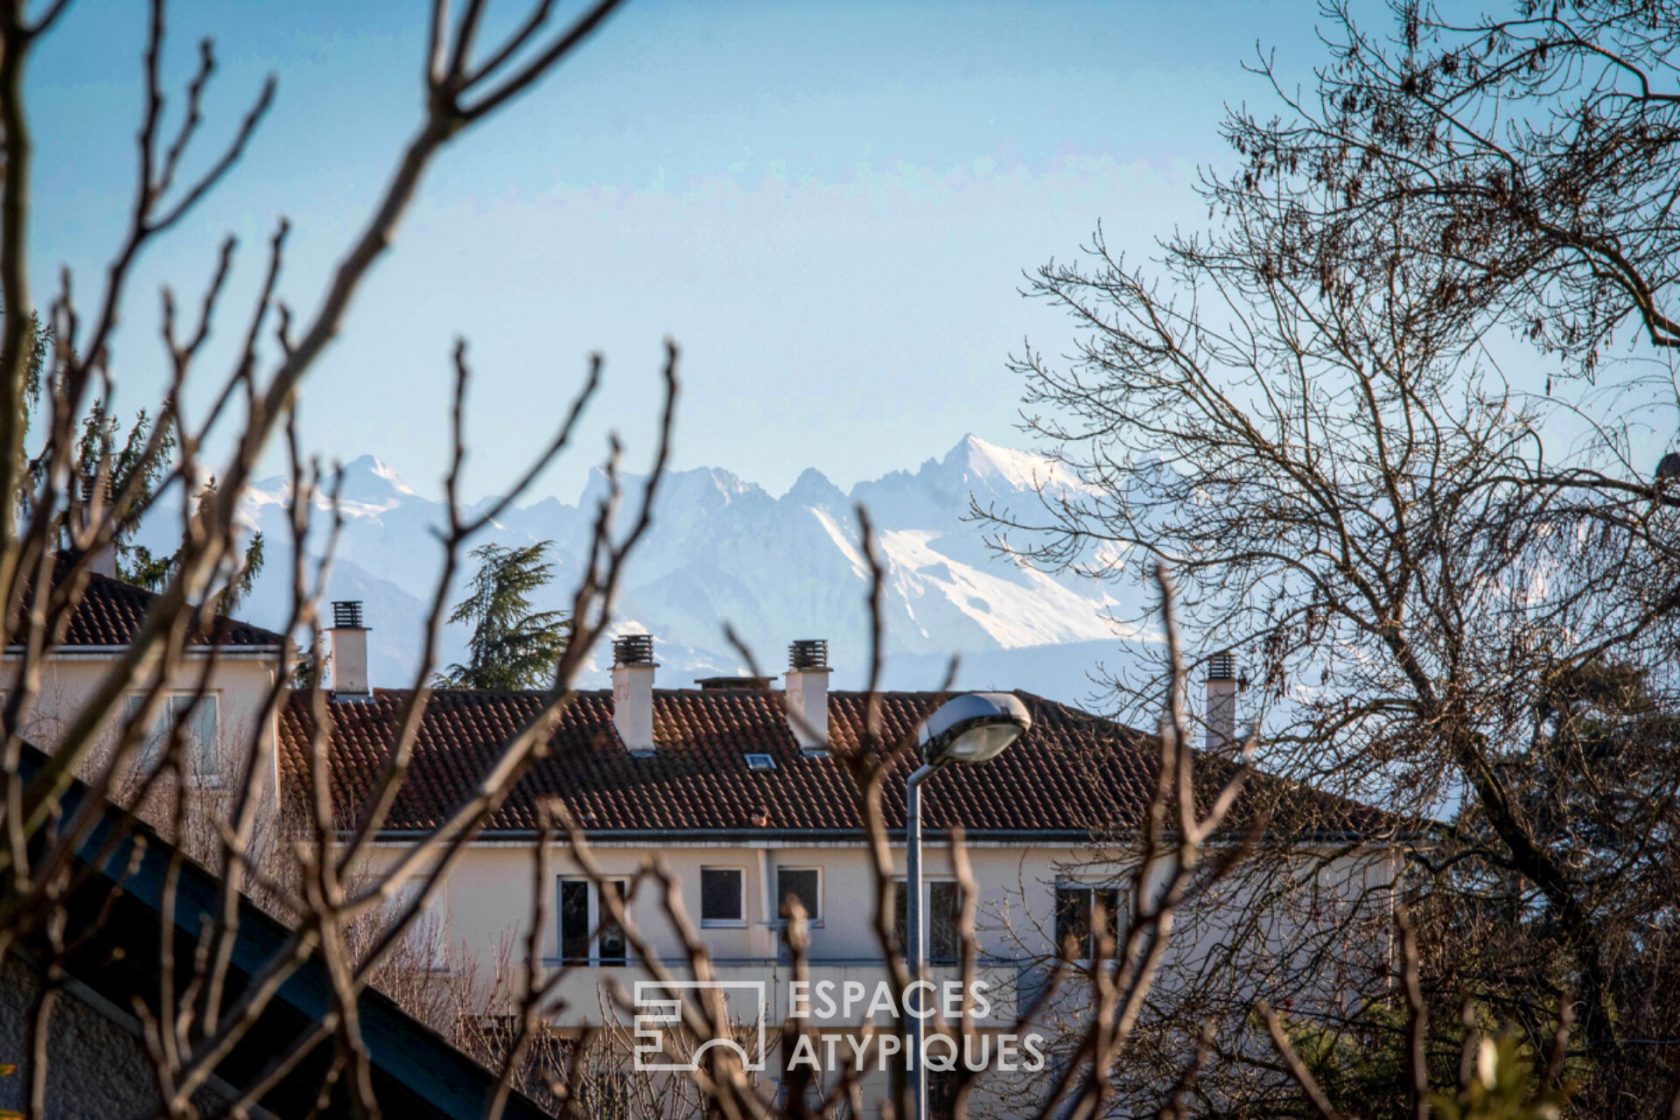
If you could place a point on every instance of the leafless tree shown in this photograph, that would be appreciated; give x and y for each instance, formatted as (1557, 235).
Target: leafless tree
(1172, 853)
(1493, 1075)
(365, 929)
(1535, 145)
(53, 528)
(1453, 581)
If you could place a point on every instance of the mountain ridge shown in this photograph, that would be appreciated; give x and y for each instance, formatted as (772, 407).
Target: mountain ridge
(777, 567)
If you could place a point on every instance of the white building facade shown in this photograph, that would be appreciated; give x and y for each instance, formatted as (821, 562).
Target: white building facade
(741, 796)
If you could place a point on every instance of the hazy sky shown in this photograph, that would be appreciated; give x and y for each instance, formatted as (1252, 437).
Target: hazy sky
(829, 206)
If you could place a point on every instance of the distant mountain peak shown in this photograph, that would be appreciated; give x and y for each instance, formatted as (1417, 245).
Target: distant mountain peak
(703, 487)
(812, 488)
(372, 467)
(1019, 470)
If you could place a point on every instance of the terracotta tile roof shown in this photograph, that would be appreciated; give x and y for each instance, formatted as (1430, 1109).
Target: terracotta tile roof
(111, 611)
(1072, 773)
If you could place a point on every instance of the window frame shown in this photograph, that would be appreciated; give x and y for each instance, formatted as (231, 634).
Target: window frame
(1116, 914)
(594, 933)
(901, 892)
(173, 702)
(431, 918)
(740, 874)
(812, 921)
(942, 1084)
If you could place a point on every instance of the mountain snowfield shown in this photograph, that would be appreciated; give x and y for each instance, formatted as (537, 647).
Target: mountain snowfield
(722, 549)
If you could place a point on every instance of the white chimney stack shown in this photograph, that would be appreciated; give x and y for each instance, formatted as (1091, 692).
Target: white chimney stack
(807, 693)
(1222, 689)
(96, 501)
(349, 651)
(632, 683)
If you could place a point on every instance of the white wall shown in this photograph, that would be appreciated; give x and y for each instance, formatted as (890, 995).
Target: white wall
(240, 683)
(1316, 940)
(487, 902)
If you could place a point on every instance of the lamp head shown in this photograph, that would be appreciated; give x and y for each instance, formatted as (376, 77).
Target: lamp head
(973, 727)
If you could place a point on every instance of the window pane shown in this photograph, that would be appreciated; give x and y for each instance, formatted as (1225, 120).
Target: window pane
(574, 921)
(202, 741)
(612, 934)
(174, 711)
(1110, 900)
(801, 883)
(150, 739)
(944, 923)
(720, 894)
(425, 936)
(942, 1094)
(1073, 920)
(431, 931)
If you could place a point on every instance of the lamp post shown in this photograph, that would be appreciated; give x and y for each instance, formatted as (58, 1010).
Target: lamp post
(968, 729)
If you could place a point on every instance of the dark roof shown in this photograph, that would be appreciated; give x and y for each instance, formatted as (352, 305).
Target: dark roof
(114, 907)
(1072, 774)
(110, 614)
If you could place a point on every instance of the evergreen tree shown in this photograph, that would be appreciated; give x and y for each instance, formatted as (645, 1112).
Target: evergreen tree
(103, 447)
(513, 646)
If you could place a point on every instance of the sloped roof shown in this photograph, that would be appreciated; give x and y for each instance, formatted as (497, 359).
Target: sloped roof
(1072, 774)
(110, 614)
(128, 871)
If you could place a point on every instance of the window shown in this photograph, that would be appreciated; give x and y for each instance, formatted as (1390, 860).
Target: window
(942, 1093)
(575, 925)
(944, 920)
(202, 742)
(803, 883)
(426, 939)
(1075, 903)
(942, 1086)
(586, 919)
(722, 896)
(761, 762)
(611, 945)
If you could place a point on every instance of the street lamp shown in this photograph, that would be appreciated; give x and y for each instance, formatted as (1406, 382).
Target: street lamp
(972, 728)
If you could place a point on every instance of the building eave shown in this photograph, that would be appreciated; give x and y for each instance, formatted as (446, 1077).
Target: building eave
(111, 653)
(838, 838)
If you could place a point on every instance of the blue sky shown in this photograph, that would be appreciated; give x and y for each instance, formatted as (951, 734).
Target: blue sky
(828, 206)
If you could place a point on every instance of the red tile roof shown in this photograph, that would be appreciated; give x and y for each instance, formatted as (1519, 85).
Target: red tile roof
(110, 613)
(1073, 773)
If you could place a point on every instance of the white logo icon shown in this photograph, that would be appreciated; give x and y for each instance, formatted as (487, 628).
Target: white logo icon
(659, 1008)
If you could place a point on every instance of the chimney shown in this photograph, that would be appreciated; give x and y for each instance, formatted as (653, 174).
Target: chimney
(632, 681)
(96, 502)
(349, 650)
(1222, 689)
(807, 693)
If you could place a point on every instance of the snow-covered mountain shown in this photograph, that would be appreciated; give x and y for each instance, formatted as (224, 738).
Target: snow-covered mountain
(722, 549)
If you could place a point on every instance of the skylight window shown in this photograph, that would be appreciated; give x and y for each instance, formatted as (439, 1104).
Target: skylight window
(761, 762)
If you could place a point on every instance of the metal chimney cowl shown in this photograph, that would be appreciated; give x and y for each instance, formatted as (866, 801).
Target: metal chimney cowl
(632, 691)
(806, 693)
(1220, 715)
(349, 651)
